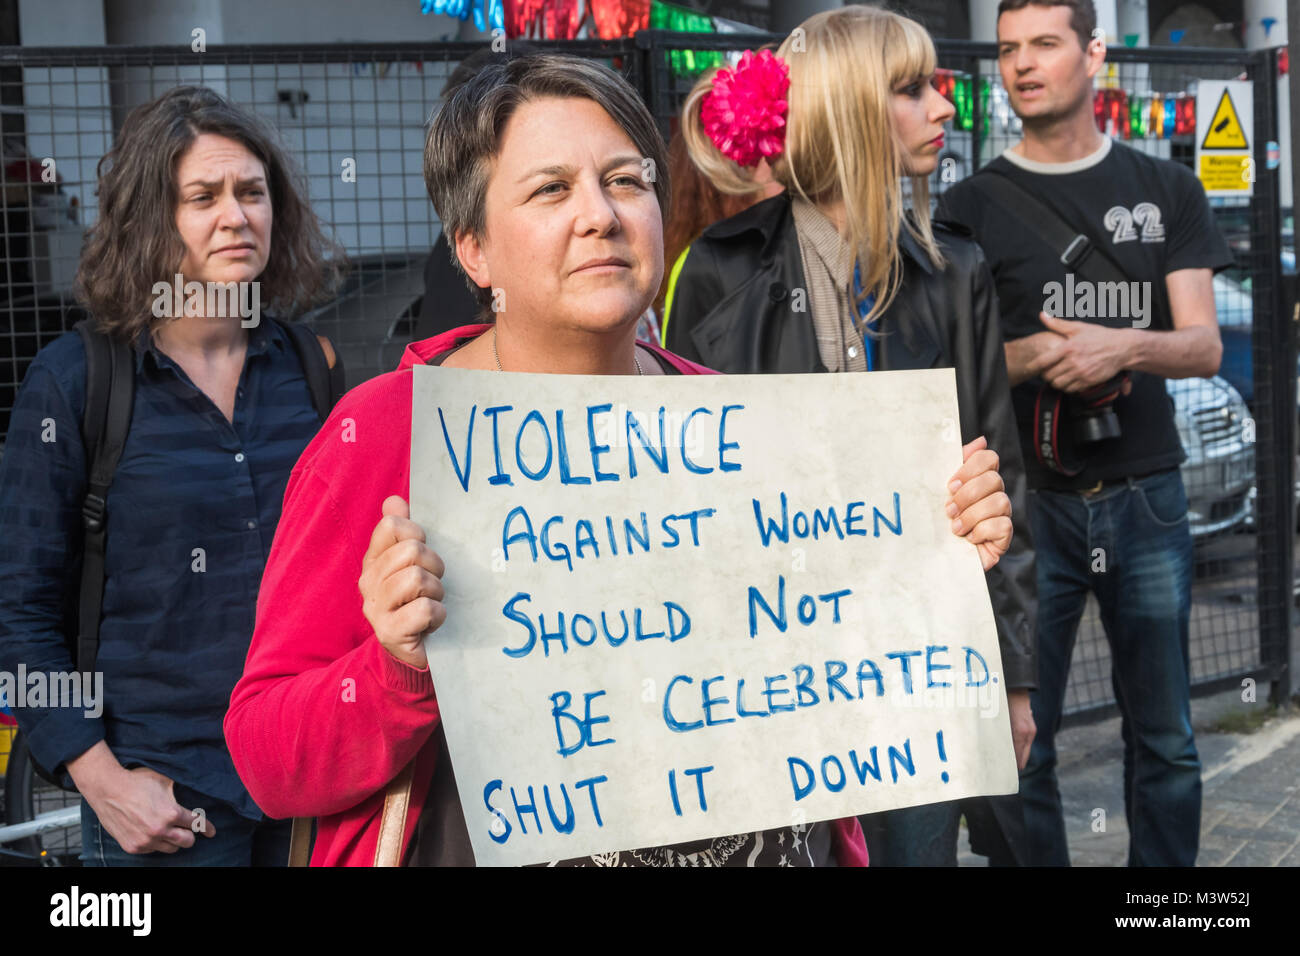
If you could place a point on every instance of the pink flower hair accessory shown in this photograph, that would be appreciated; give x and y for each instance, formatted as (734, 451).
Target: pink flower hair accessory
(744, 113)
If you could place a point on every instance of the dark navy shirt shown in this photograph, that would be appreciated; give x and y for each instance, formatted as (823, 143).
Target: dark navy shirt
(191, 515)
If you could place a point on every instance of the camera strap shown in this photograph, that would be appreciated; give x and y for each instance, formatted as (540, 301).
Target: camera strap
(1076, 250)
(1054, 446)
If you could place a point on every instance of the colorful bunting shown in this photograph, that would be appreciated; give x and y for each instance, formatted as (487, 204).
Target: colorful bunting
(564, 19)
(685, 64)
(488, 14)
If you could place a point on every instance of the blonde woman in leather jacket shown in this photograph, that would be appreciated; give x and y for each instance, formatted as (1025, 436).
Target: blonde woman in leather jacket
(837, 274)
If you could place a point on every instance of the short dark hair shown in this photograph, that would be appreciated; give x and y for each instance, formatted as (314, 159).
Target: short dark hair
(135, 242)
(1083, 15)
(469, 67)
(465, 135)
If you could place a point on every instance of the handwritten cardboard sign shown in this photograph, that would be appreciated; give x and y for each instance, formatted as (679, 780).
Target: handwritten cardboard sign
(690, 607)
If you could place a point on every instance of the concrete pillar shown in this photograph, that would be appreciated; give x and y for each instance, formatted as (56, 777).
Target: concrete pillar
(60, 23)
(984, 20)
(788, 14)
(163, 23)
(984, 29)
(1108, 20)
(1266, 27)
(1110, 74)
(1134, 20)
(1258, 32)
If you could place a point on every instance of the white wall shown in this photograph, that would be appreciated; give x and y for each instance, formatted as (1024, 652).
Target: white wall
(60, 23)
(334, 21)
(372, 113)
(162, 22)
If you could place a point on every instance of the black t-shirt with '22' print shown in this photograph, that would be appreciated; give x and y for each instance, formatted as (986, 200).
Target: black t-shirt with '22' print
(1152, 218)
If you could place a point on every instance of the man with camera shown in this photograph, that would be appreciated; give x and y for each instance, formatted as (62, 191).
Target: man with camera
(1124, 246)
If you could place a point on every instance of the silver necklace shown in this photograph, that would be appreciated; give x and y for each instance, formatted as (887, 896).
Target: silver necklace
(497, 358)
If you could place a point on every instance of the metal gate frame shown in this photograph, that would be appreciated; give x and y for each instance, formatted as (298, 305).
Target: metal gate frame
(643, 61)
(1272, 333)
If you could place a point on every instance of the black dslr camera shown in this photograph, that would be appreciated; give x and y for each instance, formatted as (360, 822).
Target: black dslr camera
(1066, 424)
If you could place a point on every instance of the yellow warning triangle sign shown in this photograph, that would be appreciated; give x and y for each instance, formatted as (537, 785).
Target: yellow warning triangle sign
(1225, 130)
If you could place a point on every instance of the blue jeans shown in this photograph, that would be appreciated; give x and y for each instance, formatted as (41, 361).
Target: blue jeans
(927, 835)
(1130, 545)
(239, 840)
(913, 836)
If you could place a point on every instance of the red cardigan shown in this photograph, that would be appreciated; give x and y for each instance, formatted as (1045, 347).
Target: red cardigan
(323, 717)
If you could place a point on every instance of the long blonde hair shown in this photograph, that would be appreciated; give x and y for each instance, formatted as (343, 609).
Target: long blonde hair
(839, 140)
(726, 176)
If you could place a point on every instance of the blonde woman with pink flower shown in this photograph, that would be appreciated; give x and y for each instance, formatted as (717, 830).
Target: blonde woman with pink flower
(839, 273)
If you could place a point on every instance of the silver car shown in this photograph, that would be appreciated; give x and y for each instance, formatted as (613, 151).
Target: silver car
(1217, 433)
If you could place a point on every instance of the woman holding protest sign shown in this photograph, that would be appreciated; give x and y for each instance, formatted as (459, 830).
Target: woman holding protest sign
(836, 275)
(537, 170)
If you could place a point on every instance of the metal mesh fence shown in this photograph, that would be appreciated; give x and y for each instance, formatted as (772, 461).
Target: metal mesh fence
(1227, 424)
(1236, 427)
(1218, 426)
(354, 119)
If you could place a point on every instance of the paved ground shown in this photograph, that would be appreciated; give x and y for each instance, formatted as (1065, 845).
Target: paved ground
(1251, 789)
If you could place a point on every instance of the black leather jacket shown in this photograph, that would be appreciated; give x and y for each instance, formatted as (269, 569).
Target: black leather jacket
(731, 311)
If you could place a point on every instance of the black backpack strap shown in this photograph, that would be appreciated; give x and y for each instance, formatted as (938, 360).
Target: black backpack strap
(1076, 250)
(338, 378)
(324, 381)
(110, 393)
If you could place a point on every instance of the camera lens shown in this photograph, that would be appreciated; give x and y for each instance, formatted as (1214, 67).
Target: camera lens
(1097, 424)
